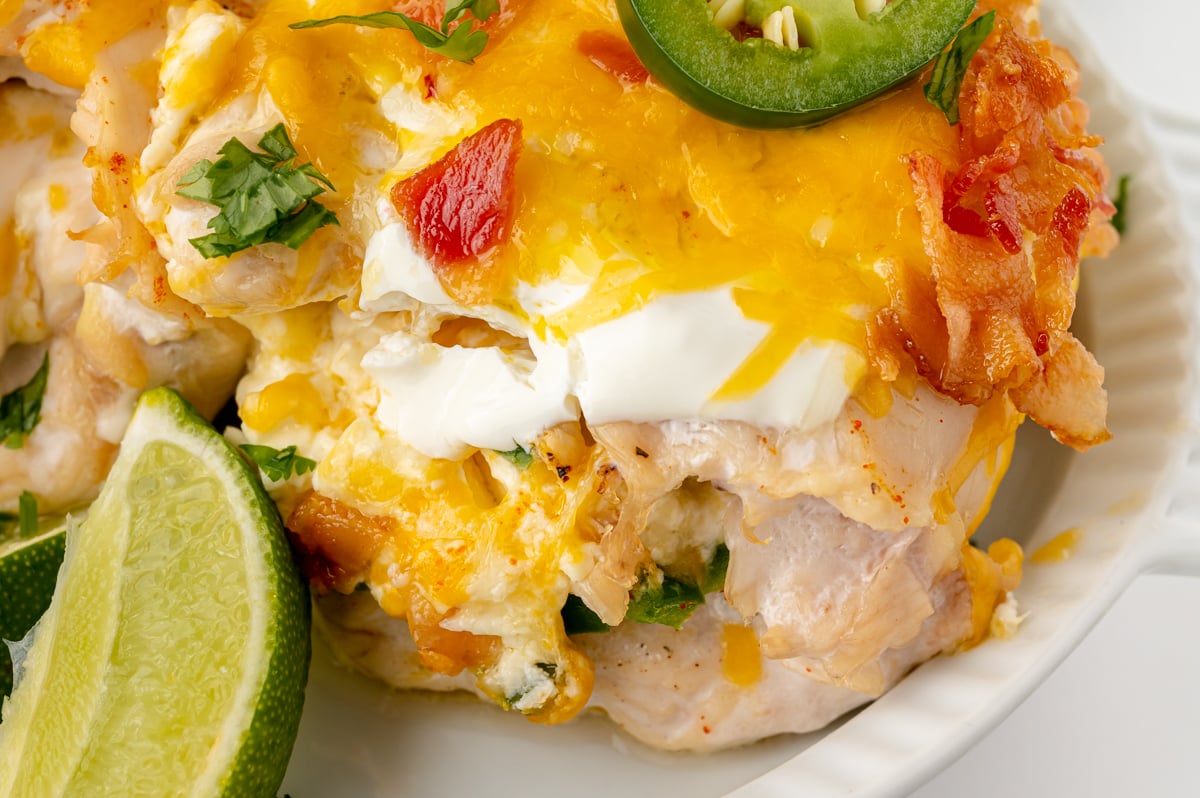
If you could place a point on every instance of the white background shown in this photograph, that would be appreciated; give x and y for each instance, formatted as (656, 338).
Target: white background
(1121, 716)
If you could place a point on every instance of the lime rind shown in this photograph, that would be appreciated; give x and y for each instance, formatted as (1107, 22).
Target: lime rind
(248, 754)
(28, 570)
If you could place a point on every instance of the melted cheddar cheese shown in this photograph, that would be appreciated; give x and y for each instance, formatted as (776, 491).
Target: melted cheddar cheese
(708, 197)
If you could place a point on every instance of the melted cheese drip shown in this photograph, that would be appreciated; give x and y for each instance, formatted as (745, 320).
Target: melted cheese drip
(741, 659)
(990, 442)
(9, 250)
(991, 576)
(1058, 549)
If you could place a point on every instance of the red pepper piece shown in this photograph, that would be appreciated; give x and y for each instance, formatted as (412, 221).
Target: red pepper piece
(613, 54)
(460, 207)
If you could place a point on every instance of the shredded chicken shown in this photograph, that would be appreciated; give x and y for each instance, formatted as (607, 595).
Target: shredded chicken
(670, 689)
(830, 599)
(89, 290)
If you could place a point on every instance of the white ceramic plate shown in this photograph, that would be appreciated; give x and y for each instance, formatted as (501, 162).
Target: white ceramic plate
(1135, 502)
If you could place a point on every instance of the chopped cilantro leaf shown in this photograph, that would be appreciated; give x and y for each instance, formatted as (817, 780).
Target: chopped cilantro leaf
(549, 671)
(950, 67)
(1120, 202)
(276, 142)
(518, 457)
(462, 43)
(278, 464)
(27, 514)
(578, 618)
(480, 9)
(669, 602)
(263, 196)
(21, 408)
(713, 578)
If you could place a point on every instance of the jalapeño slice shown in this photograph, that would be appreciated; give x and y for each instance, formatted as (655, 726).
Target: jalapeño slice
(844, 58)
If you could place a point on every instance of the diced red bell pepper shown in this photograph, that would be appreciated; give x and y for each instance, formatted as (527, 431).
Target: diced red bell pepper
(460, 208)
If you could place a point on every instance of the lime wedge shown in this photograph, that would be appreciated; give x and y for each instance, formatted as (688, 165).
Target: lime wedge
(28, 569)
(173, 657)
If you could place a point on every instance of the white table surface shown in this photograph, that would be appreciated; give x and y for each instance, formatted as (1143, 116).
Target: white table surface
(1121, 716)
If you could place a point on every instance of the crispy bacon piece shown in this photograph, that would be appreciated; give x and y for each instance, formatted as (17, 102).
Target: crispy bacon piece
(613, 54)
(1003, 230)
(1074, 419)
(460, 208)
(334, 543)
(445, 651)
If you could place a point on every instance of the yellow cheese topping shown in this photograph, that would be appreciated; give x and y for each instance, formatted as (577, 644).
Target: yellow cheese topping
(622, 187)
(294, 397)
(9, 251)
(65, 50)
(326, 83)
(9, 10)
(458, 521)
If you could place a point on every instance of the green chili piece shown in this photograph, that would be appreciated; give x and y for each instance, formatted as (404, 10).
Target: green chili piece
(842, 59)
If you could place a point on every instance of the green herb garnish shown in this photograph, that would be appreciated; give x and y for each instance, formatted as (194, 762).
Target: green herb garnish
(27, 514)
(713, 578)
(550, 669)
(669, 602)
(950, 67)
(21, 408)
(278, 464)
(519, 457)
(1120, 203)
(463, 42)
(578, 618)
(263, 196)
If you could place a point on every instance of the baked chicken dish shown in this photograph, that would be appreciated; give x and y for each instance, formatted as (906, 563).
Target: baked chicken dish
(658, 357)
